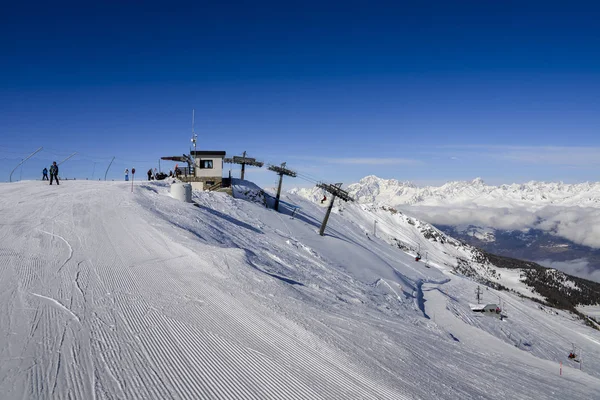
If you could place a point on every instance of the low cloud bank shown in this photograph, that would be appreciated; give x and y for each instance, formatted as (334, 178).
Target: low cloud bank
(580, 225)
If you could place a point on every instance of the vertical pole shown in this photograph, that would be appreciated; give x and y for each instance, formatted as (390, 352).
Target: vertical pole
(193, 128)
(561, 368)
(375, 228)
(132, 176)
(278, 192)
(159, 165)
(243, 164)
(324, 224)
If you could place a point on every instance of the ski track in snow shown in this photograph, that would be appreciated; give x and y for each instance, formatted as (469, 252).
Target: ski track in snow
(70, 249)
(57, 304)
(160, 299)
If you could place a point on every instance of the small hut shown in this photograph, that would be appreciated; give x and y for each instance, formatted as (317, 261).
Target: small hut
(490, 309)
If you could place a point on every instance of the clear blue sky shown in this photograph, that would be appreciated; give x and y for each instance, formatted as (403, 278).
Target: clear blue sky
(504, 90)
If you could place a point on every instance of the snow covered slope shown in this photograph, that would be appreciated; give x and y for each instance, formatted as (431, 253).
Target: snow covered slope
(110, 294)
(544, 222)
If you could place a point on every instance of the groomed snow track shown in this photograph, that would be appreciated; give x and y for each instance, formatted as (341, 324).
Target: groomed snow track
(98, 304)
(108, 294)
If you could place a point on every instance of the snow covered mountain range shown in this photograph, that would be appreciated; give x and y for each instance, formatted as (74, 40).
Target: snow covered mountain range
(372, 189)
(553, 223)
(109, 293)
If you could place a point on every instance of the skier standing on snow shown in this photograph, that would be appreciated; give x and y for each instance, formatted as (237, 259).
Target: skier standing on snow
(150, 174)
(45, 174)
(54, 173)
(126, 174)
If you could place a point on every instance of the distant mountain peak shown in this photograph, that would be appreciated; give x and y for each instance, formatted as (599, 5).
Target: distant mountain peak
(478, 182)
(373, 179)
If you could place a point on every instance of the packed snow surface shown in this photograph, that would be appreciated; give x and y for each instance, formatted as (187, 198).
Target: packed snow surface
(107, 293)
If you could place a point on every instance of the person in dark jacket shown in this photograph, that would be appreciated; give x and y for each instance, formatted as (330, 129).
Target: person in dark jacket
(45, 174)
(54, 173)
(149, 174)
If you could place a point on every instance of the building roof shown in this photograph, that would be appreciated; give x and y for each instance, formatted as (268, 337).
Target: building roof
(483, 306)
(207, 153)
(174, 158)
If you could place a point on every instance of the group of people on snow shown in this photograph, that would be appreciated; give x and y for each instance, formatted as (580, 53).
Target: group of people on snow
(156, 175)
(53, 173)
(151, 174)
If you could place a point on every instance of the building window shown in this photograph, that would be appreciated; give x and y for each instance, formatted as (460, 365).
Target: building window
(206, 164)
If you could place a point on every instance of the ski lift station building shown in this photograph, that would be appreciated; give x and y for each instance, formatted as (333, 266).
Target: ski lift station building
(205, 168)
(208, 166)
(490, 309)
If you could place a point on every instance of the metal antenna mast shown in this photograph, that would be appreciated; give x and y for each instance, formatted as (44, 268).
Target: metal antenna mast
(243, 161)
(194, 136)
(281, 171)
(335, 191)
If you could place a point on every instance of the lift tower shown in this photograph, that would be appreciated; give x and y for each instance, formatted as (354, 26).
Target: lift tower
(335, 191)
(243, 161)
(281, 171)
